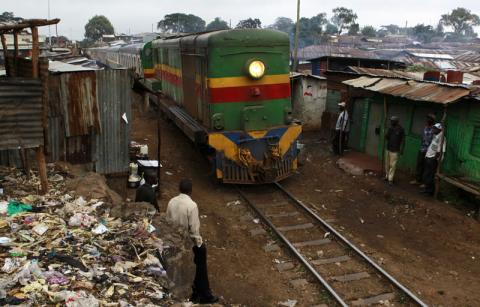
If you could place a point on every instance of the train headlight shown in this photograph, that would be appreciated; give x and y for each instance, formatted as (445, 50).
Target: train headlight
(256, 69)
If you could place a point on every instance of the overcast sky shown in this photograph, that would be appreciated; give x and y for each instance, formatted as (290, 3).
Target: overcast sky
(133, 16)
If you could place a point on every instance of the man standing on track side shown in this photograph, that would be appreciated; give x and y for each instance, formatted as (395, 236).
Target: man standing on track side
(341, 130)
(183, 211)
(427, 137)
(395, 138)
(432, 158)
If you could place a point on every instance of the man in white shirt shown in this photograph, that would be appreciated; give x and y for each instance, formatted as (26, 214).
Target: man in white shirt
(433, 155)
(341, 130)
(183, 211)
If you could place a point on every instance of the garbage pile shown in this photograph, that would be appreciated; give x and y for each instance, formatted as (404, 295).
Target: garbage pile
(60, 248)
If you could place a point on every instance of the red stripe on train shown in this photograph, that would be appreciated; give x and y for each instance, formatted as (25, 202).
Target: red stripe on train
(250, 93)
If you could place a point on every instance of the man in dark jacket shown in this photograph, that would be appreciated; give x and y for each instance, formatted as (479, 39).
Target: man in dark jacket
(395, 138)
(427, 137)
(146, 193)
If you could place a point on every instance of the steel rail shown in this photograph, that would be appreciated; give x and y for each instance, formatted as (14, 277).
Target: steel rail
(293, 249)
(352, 246)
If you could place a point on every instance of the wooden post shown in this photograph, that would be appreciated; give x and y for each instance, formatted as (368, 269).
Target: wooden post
(40, 155)
(14, 71)
(35, 52)
(42, 169)
(26, 165)
(440, 159)
(15, 43)
(385, 115)
(5, 54)
(159, 146)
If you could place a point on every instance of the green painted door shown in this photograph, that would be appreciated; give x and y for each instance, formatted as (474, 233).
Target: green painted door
(375, 122)
(358, 124)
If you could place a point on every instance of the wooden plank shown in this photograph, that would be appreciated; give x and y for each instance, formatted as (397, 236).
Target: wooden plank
(351, 277)
(5, 54)
(312, 243)
(42, 169)
(373, 300)
(283, 214)
(331, 260)
(35, 53)
(295, 227)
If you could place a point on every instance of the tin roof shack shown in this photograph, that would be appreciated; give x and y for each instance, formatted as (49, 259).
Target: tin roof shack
(323, 64)
(309, 94)
(411, 100)
(87, 108)
(338, 92)
(23, 97)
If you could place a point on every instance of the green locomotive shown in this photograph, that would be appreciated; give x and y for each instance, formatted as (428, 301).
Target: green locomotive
(230, 90)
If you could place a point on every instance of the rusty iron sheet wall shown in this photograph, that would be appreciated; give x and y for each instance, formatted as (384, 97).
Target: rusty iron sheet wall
(77, 94)
(114, 96)
(20, 113)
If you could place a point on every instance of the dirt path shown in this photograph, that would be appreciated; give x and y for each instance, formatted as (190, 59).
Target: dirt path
(430, 246)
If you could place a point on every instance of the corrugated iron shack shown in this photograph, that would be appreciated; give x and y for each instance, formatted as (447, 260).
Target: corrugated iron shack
(411, 100)
(309, 94)
(85, 118)
(23, 98)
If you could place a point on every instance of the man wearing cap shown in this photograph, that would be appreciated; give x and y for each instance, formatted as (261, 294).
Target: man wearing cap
(427, 137)
(395, 138)
(341, 130)
(432, 156)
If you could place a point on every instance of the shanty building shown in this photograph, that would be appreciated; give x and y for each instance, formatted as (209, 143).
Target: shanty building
(338, 69)
(63, 112)
(375, 99)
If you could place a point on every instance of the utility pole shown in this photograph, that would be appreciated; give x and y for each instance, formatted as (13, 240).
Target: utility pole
(297, 32)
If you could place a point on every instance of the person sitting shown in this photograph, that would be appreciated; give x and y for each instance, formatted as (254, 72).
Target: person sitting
(146, 192)
(183, 211)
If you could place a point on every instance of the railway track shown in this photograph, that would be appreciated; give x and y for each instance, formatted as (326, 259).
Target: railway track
(348, 274)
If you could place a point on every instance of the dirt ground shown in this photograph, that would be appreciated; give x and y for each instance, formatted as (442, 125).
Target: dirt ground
(429, 246)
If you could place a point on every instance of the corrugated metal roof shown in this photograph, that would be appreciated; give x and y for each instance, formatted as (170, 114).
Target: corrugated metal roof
(20, 113)
(432, 55)
(385, 73)
(60, 67)
(413, 90)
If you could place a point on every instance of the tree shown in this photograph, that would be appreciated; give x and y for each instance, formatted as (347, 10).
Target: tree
(369, 31)
(462, 21)
(8, 17)
(181, 23)
(283, 24)
(98, 26)
(217, 24)
(311, 30)
(392, 29)
(354, 29)
(424, 33)
(249, 23)
(331, 29)
(343, 18)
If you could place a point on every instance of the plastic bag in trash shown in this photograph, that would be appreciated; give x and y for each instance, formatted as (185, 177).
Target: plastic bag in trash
(15, 207)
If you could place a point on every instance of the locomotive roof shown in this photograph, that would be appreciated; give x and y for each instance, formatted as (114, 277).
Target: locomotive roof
(228, 38)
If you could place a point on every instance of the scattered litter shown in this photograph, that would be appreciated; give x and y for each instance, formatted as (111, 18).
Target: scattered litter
(203, 216)
(288, 303)
(66, 249)
(124, 117)
(233, 203)
(362, 221)
(326, 235)
(256, 221)
(168, 173)
(15, 207)
(40, 229)
(100, 229)
(5, 241)
(380, 236)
